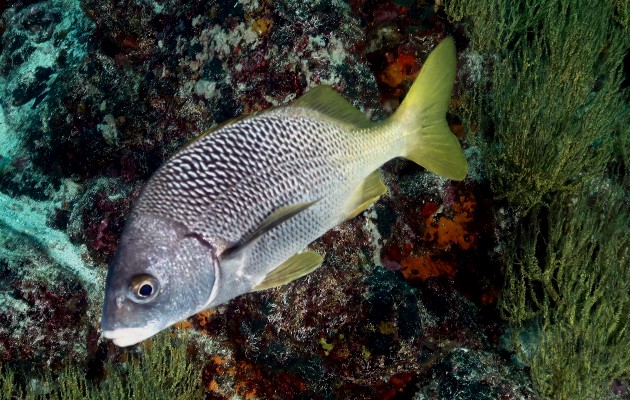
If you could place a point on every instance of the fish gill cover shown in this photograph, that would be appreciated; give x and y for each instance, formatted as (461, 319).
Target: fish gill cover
(480, 289)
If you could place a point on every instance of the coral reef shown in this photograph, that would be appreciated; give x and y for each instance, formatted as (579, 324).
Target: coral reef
(95, 95)
(93, 101)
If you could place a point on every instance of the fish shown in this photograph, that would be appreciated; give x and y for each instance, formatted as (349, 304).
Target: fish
(234, 211)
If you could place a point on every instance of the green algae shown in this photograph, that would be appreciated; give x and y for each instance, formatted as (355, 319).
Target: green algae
(570, 273)
(8, 386)
(551, 118)
(163, 369)
(554, 111)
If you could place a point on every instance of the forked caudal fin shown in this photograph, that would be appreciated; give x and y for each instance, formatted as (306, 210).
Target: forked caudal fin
(422, 116)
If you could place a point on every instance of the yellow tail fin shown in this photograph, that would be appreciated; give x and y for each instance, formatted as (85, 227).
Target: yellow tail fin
(422, 116)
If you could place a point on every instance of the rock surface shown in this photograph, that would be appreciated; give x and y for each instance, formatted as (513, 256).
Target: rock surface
(95, 95)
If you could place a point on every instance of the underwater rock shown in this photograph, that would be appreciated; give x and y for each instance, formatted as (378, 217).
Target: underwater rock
(355, 329)
(96, 95)
(49, 288)
(469, 374)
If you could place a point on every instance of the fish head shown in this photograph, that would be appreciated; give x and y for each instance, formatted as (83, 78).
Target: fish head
(161, 274)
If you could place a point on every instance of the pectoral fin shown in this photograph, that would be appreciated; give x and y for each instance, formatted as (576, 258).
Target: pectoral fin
(365, 195)
(277, 217)
(292, 269)
(281, 215)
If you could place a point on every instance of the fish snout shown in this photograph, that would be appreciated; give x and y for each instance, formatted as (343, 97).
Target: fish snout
(128, 336)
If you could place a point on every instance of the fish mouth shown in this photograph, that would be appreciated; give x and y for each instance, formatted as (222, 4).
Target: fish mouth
(128, 336)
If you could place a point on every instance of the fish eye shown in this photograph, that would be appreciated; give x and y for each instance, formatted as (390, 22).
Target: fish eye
(143, 288)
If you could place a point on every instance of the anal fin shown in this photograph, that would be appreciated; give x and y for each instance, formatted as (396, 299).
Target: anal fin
(295, 267)
(366, 194)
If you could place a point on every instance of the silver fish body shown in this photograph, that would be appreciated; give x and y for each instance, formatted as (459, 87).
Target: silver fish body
(233, 211)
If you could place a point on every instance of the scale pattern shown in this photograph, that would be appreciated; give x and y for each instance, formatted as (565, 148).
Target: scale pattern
(227, 182)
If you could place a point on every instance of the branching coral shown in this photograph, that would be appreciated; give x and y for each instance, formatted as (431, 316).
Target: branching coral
(8, 387)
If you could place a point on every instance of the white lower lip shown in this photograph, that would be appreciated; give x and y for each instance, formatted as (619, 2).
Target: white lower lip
(128, 336)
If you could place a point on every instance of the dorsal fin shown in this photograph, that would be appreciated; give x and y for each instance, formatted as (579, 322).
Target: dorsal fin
(325, 100)
(212, 129)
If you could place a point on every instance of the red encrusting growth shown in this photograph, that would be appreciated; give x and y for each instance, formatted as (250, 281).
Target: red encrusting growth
(403, 68)
(425, 267)
(452, 230)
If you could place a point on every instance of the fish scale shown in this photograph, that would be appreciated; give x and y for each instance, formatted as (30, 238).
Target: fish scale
(235, 210)
(193, 191)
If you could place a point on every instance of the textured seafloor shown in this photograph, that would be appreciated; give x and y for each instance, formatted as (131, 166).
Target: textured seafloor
(95, 95)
